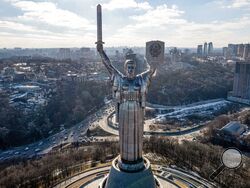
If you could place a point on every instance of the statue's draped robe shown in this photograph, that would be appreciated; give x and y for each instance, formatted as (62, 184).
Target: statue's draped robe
(130, 95)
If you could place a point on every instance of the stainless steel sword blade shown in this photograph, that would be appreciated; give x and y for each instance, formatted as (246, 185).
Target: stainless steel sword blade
(99, 24)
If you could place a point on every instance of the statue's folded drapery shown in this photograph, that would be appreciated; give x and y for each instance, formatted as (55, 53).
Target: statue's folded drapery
(130, 95)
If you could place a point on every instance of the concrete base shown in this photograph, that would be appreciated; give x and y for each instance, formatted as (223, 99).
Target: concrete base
(122, 179)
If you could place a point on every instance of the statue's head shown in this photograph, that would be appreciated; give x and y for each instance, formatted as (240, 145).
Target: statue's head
(129, 67)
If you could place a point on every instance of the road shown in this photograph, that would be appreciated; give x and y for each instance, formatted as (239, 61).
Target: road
(104, 125)
(77, 132)
(74, 134)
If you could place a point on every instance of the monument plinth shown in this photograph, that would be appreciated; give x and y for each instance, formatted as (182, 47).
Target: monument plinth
(129, 169)
(131, 179)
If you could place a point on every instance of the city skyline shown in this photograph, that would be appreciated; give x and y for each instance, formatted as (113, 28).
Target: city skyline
(54, 23)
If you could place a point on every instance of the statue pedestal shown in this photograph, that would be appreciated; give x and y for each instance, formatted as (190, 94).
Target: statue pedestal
(140, 177)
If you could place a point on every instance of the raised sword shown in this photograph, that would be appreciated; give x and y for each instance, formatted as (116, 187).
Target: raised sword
(99, 24)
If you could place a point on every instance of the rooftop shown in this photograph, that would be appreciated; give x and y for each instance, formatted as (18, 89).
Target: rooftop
(234, 127)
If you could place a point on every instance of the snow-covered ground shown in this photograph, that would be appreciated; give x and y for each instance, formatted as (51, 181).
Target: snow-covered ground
(203, 109)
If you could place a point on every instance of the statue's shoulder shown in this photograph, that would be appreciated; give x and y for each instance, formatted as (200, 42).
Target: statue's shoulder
(116, 75)
(117, 79)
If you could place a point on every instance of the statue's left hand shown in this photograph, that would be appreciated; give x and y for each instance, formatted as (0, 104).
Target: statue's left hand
(153, 65)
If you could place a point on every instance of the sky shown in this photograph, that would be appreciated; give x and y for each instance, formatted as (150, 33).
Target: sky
(72, 23)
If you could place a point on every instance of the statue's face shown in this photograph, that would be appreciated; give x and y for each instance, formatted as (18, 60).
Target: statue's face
(130, 70)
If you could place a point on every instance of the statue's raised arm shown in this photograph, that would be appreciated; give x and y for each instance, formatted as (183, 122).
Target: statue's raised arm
(106, 61)
(151, 69)
(146, 78)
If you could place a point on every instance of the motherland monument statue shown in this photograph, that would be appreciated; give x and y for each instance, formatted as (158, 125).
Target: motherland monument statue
(130, 168)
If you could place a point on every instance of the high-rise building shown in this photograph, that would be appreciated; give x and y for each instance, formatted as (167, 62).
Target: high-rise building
(199, 50)
(246, 53)
(205, 49)
(224, 51)
(240, 50)
(237, 51)
(210, 48)
(232, 50)
(64, 53)
(241, 84)
(86, 53)
(175, 55)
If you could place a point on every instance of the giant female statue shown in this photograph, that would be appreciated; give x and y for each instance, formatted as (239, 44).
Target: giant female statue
(130, 169)
(130, 94)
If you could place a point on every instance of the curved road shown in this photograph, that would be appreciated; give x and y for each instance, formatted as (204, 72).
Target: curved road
(103, 123)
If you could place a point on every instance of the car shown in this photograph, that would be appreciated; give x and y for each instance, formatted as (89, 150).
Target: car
(65, 138)
(16, 153)
(40, 143)
(26, 149)
(37, 149)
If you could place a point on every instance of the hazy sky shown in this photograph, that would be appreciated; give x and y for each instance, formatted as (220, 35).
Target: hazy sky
(72, 23)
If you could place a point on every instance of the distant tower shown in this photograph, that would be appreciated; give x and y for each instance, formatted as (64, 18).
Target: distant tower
(240, 50)
(205, 49)
(246, 51)
(174, 55)
(242, 80)
(232, 50)
(199, 50)
(225, 52)
(210, 48)
(64, 53)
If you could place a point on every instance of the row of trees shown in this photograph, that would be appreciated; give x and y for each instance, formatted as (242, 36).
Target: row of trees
(198, 157)
(201, 82)
(56, 166)
(201, 158)
(12, 123)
